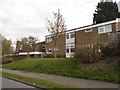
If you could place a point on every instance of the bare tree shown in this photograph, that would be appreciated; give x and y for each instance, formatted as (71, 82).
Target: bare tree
(26, 44)
(56, 27)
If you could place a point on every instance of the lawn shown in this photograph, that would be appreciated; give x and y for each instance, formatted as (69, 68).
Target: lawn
(65, 67)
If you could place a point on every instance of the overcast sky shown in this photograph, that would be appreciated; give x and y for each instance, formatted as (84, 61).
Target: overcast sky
(20, 18)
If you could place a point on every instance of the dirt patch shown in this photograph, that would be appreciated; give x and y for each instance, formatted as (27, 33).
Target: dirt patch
(100, 65)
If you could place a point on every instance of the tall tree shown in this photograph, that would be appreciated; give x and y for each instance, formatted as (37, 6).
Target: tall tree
(7, 47)
(56, 27)
(105, 11)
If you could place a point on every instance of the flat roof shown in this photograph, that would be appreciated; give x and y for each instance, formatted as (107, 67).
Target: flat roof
(25, 53)
(90, 26)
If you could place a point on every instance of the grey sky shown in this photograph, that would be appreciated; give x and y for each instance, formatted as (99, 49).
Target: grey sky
(19, 18)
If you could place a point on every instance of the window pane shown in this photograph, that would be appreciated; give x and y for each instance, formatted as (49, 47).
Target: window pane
(108, 28)
(72, 49)
(67, 36)
(72, 34)
(43, 46)
(67, 50)
(100, 30)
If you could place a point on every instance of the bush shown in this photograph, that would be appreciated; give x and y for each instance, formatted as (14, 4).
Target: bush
(83, 55)
(89, 53)
(96, 52)
(48, 56)
(60, 56)
(6, 60)
(111, 49)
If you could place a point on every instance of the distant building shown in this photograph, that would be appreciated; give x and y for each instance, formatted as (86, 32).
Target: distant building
(37, 52)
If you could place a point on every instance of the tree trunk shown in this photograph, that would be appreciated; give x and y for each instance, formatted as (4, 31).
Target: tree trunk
(28, 56)
(55, 52)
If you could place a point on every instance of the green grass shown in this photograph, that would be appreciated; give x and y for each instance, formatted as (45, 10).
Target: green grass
(65, 67)
(38, 82)
(0, 73)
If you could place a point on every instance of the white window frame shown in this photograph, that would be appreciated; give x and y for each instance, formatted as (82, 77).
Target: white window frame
(101, 31)
(105, 29)
(48, 52)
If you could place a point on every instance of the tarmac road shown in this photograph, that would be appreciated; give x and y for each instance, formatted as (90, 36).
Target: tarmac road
(7, 83)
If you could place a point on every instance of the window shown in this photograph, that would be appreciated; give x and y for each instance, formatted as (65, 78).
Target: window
(104, 29)
(72, 34)
(72, 49)
(67, 36)
(67, 50)
(48, 40)
(88, 30)
(43, 46)
(101, 30)
(49, 50)
(108, 28)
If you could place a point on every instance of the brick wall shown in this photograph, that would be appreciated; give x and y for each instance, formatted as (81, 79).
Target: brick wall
(118, 26)
(83, 38)
(60, 44)
(40, 47)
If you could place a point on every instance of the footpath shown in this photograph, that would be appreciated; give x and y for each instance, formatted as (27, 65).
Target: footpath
(76, 82)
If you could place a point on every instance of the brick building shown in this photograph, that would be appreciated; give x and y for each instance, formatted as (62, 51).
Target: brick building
(72, 40)
(37, 52)
(50, 46)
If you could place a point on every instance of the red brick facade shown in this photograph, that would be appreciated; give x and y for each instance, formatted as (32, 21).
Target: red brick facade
(84, 38)
(91, 34)
(60, 45)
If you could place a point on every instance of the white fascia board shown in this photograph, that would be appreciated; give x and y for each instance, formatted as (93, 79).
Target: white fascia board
(117, 20)
(23, 53)
(97, 25)
(36, 52)
(70, 31)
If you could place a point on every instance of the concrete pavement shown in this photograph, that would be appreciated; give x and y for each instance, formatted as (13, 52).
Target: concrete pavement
(76, 82)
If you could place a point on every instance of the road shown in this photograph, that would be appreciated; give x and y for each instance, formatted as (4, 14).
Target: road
(7, 83)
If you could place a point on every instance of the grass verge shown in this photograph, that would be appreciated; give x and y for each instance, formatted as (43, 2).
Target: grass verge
(37, 82)
(65, 67)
